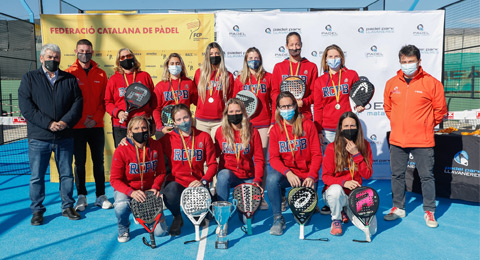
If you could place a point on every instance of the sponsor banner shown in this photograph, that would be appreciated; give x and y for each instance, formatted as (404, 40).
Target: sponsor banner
(152, 37)
(13, 120)
(370, 40)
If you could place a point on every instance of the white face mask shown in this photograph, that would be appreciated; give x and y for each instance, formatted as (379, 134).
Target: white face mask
(409, 68)
(175, 69)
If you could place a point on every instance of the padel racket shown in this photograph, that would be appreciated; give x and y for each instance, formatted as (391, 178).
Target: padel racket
(166, 116)
(195, 202)
(148, 212)
(302, 202)
(363, 202)
(362, 92)
(137, 96)
(250, 101)
(249, 197)
(294, 85)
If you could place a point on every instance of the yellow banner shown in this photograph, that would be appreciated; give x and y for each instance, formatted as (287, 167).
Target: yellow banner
(152, 37)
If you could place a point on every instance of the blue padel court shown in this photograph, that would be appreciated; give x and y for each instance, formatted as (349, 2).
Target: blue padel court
(95, 235)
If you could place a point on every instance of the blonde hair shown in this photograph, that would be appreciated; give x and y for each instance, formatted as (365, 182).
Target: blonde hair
(119, 69)
(324, 64)
(135, 121)
(297, 126)
(166, 73)
(227, 129)
(245, 74)
(206, 73)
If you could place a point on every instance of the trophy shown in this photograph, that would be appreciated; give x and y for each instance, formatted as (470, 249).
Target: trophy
(222, 210)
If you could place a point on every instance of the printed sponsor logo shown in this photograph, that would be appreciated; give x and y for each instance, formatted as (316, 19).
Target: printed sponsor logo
(236, 32)
(461, 159)
(420, 31)
(282, 30)
(328, 31)
(377, 30)
(373, 52)
(194, 27)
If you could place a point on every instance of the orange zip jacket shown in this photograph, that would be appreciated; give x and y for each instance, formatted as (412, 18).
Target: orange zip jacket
(414, 109)
(93, 90)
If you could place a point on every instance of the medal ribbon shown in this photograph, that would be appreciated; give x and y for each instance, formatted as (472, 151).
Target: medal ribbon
(175, 97)
(337, 91)
(237, 152)
(189, 153)
(291, 70)
(217, 75)
(291, 146)
(126, 81)
(352, 169)
(252, 88)
(141, 167)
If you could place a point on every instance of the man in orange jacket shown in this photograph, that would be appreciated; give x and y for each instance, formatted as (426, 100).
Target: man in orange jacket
(414, 101)
(92, 81)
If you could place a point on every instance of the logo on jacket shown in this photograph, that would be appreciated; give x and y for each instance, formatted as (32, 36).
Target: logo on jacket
(299, 144)
(181, 155)
(461, 158)
(150, 166)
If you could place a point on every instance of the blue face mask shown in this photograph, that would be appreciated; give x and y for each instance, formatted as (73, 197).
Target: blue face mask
(185, 126)
(334, 63)
(175, 69)
(253, 64)
(409, 69)
(287, 114)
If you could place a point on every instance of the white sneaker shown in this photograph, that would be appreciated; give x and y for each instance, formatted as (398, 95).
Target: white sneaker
(394, 214)
(123, 237)
(263, 205)
(430, 219)
(81, 203)
(103, 202)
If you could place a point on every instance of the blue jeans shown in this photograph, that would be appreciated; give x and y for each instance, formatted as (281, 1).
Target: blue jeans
(39, 152)
(276, 185)
(122, 211)
(226, 179)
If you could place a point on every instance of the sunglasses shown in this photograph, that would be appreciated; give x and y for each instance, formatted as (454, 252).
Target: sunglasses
(128, 56)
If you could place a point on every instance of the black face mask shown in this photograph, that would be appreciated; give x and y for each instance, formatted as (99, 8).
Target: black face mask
(294, 52)
(84, 57)
(51, 65)
(235, 119)
(141, 137)
(350, 134)
(215, 60)
(127, 63)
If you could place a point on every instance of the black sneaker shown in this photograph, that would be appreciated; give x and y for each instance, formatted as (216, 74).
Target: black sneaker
(176, 226)
(325, 210)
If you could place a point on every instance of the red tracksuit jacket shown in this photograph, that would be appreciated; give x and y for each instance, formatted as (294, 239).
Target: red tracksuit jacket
(212, 111)
(324, 112)
(263, 116)
(308, 154)
(204, 151)
(115, 96)
(125, 175)
(186, 94)
(251, 160)
(308, 72)
(330, 176)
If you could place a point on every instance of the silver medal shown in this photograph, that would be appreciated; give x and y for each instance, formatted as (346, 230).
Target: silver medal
(337, 106)
(210, 99)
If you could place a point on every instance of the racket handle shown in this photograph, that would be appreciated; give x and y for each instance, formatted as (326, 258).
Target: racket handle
(121, 119)
(152, 240)
(249, 226)
(197, 232)
(302, 231)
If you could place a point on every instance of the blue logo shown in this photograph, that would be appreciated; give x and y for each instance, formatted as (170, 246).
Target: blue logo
(328, 27)
(314, 53)
(373, 137)
(373, 48)
(420, 27)
(360, 30)
(236, 28)
(461, 158)
(281, 49)
(268, 30)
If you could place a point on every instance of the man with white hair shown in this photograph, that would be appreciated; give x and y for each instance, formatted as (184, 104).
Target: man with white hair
(51, 102)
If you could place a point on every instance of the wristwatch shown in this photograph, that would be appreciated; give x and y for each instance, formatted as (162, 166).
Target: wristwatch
(204, 182)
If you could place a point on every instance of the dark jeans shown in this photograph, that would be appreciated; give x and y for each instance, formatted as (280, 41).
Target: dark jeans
(424, 161)
(226, 179)
(118, 134)
(95, 138)
(171, 196)
(39, 152)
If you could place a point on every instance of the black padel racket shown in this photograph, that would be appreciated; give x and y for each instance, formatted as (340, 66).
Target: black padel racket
(250, 101)
(148, 212)
(249, 197)
(294, 85)
(195, 202)
(166, 116)
(137, 96)
(362, 92)
(302, 202)
(363, 202)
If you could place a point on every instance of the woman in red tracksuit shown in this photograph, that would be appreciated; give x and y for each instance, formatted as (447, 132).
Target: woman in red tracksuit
(187, 149)
(127, 71)
(295, 65)
(174, 88)
(215, 86)
(239, 147)
(347, 160)
(295, 155)
(137, 167)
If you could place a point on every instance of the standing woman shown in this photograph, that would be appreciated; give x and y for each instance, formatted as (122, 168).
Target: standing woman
(174, 88)
(295, 155)
(295, 65)
(239, 147)
(127, 71)
(347, 160)
(137, 167)
(187, 149)
(215, 86)
(254, 78)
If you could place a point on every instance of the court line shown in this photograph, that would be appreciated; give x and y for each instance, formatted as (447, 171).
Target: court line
(203, 241)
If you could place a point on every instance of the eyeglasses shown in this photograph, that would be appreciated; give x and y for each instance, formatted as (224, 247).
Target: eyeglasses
(286, 107)
(128, 56)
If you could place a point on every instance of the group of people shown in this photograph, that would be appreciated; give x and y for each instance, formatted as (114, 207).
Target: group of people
(64, 112)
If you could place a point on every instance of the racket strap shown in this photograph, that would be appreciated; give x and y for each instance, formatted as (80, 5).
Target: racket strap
(360, 241)
(324, 239)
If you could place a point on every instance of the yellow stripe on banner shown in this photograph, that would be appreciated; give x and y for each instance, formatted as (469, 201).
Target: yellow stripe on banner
(111, 12)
